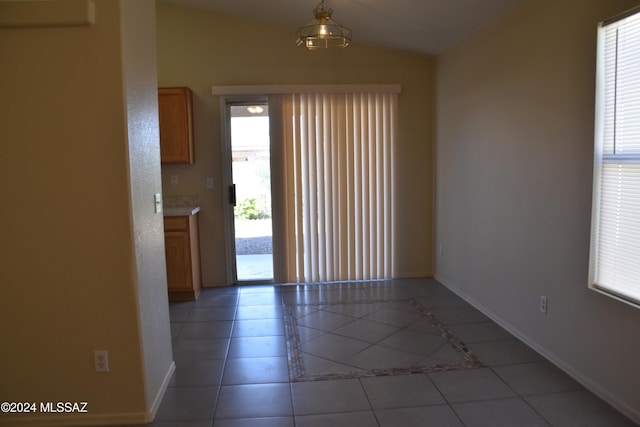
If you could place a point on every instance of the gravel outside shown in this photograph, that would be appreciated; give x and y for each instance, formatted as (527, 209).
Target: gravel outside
(253, 237)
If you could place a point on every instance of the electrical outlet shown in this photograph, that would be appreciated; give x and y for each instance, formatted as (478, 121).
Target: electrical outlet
(543, 304)
(101, 361)
(174, 179)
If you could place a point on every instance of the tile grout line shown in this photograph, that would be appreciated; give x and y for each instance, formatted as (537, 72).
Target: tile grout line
(518, 395)
(226, 357)
(472, 361)
(297, 371)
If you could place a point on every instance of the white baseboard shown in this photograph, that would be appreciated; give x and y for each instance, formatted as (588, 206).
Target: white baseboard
(98, 419)
(77, 420)
(580, 377)
(414, 275)
(155, 405)
(215, 285)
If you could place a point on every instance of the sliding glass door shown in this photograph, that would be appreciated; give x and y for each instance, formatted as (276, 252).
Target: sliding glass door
(250, 191)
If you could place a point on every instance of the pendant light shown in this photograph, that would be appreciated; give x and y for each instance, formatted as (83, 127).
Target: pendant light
(323, 32)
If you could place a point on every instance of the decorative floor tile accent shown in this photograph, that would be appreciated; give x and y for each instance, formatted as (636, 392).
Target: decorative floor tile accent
(453, 348)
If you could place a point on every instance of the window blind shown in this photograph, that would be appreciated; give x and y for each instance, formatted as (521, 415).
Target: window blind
(615, 240)
(340, 157)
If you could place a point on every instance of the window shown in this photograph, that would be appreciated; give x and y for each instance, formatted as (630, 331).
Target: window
(615, 237)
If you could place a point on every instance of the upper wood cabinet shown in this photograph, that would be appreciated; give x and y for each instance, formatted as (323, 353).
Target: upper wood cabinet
(176, 125)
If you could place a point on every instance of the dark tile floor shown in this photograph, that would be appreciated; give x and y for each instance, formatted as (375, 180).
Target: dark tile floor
(382, 353)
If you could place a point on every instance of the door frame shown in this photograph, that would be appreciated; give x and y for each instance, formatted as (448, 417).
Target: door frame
(227, 181)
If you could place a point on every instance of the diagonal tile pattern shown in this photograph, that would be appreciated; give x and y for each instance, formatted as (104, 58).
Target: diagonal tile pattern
(365, 337)
(362, 355)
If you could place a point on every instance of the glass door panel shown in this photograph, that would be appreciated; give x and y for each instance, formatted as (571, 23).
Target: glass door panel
(251, 173)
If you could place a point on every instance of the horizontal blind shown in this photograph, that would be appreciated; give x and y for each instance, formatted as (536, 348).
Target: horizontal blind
(616, 238)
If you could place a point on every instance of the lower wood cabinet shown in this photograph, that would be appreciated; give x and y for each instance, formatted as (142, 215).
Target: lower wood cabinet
(182, 249)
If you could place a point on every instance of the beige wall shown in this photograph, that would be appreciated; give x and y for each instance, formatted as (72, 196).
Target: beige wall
(140, 91)
(81, 272)
(515, 113)
(201, 49)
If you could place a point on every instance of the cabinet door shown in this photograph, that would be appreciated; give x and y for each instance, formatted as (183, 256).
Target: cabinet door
(177, 248)
(176, 125)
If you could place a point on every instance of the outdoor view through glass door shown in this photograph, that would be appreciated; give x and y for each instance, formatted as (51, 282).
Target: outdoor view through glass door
(251, 174)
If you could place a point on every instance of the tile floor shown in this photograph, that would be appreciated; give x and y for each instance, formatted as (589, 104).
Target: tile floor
(386, 353)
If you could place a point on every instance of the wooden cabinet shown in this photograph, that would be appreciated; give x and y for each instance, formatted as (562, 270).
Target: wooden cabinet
(183, 257)
(176, 125)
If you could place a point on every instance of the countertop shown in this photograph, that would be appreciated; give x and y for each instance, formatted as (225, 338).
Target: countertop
(181, 210)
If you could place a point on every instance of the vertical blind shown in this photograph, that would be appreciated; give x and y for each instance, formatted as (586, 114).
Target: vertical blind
(615, 241)
(339, 162)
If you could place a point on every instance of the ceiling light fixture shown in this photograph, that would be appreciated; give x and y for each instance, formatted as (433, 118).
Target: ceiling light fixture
(323, 32)
(255, 109)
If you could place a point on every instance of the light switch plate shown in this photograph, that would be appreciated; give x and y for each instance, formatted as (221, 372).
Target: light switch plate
(158, 201)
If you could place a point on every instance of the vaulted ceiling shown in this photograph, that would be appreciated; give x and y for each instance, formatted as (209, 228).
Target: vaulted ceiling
(423, 26)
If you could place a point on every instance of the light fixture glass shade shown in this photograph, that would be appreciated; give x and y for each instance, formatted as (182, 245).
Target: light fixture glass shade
(323, 32)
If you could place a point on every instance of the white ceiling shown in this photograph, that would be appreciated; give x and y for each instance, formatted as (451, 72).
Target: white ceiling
(424, 26)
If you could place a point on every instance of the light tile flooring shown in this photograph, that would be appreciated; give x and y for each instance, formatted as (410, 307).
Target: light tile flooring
(396, 353)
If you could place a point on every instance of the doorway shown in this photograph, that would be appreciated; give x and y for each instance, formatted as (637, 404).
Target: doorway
(249, 160)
